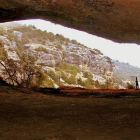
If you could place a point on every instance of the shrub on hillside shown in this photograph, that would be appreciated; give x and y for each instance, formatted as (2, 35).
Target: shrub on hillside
(48, 82)
(71, 80)
(2, 32)
(99, 52)
(41, 49)
(74, 42)
(72, 69)
(97, 84)
(81, 82)
(88, 75)
(1, 43)
(58, 46)
(52, 74)
(89, 83)
(130, 86)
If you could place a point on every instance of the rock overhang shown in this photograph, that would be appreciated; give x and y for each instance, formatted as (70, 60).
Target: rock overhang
(117, 20)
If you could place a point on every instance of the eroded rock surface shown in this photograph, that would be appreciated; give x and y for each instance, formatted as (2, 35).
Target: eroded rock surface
(118, 20)
(54, 52)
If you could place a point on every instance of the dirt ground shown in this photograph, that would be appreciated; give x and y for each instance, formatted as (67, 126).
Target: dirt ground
(37, 116)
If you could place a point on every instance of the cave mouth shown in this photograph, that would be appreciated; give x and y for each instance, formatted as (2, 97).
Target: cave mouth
(76, 39)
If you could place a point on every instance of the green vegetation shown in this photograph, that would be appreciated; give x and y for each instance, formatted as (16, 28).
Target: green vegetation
(72, 69)
(41, 49)
(74, 42)
(80, 82)
(98, 51)
(48, 82)
(3, 54)
(65, 69)
(129, 86)
(68, 79)
(2, 31)
(87, 75)
(32, 75)
(58, 46)
(52, 74)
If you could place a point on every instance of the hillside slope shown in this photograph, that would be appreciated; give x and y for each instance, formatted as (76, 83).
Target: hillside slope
(74, 63)
(125, 71)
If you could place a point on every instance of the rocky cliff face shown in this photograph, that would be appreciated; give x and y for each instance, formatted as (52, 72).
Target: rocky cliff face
(86, 59)
(51, 50)
(118, 20)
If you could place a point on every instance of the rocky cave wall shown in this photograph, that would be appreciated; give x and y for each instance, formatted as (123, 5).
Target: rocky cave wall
(118, 20)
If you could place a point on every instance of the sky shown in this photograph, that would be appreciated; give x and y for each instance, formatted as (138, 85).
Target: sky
(123, 52)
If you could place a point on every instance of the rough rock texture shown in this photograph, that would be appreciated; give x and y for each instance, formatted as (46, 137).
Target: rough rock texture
(61, 50)
(85, 58)
(118, 20)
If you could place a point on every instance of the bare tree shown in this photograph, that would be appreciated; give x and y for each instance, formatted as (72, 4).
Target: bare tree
(20, 72)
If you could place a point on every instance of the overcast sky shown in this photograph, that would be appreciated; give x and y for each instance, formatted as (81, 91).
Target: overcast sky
(123, 52)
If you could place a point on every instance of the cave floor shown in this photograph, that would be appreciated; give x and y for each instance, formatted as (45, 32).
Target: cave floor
(37, 116)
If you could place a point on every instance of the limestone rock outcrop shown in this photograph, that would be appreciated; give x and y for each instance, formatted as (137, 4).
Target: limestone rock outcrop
(49, 51)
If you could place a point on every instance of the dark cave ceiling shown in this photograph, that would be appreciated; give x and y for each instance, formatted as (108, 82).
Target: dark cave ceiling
(117, 20)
